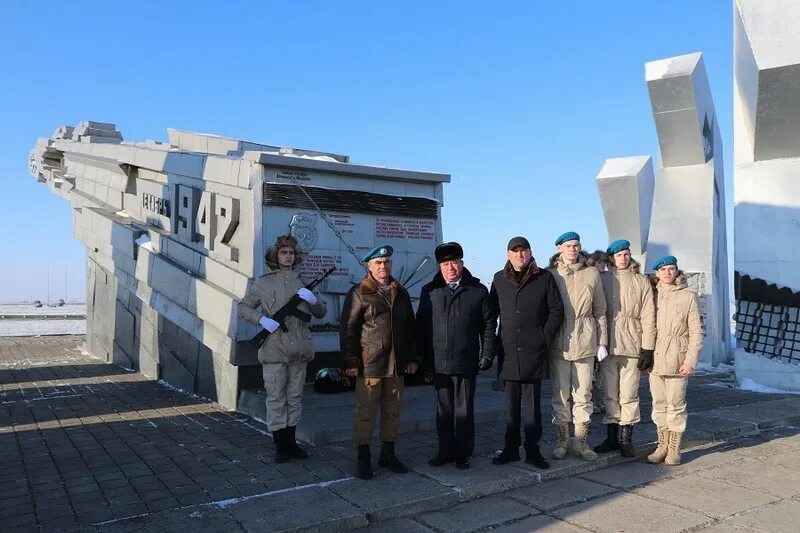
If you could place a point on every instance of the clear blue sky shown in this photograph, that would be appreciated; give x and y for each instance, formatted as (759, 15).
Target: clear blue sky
(520, 101)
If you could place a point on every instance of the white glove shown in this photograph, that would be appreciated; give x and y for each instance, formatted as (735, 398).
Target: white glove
(307, 295)
(268, 324)
(602, 353)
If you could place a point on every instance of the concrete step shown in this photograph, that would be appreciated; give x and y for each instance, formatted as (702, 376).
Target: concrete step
(329, 417)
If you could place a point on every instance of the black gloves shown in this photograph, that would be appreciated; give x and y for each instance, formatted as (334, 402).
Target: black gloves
(645, 363)
(485, 363)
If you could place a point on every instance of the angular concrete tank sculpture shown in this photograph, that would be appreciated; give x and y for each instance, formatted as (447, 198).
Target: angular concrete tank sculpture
(626, 187)
(688, 217)
(175, 231)
(767, 190)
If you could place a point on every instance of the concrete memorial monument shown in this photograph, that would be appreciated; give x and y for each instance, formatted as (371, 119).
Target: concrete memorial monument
(682, 211)
(626, 187)
(174, 232)
(688, 219)
(767, 191)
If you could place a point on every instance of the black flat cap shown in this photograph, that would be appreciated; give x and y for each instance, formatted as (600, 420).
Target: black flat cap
(519, 241)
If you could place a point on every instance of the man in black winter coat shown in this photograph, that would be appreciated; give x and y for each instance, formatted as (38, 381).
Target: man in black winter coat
(527, 300)
(455, 325)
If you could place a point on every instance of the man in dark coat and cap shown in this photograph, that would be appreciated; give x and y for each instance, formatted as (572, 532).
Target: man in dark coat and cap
(527, 300)
(455, 326)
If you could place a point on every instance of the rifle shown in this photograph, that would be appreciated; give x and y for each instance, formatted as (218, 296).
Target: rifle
(290, 309)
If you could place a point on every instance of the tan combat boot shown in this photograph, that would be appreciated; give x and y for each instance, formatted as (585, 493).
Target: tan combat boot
(663, 443)
(674, 450)
(562, 440)
(580, 447)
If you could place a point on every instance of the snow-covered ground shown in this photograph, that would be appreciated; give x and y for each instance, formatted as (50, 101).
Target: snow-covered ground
(29, 309)
(754, 386)
(18, 327)
(32, 328)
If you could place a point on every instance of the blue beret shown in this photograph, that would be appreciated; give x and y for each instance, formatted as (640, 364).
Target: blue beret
(664, 261)
(568, 236)
(384, 250)
(618, 246)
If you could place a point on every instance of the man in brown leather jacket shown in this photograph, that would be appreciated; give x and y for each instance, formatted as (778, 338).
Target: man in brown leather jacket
(378, 345)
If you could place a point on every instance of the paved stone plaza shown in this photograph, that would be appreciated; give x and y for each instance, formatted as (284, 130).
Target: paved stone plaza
(89, 446)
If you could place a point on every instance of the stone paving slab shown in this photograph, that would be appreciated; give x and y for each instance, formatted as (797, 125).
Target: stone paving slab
(398, 525)
(391, 496)
(626, 512)
(87, 445)
(781, 517)
(777, 475)
(559, 493)
(765, 414)
(707, 496)
(316, 509)
(539, 523)
(481, 479)
(494, 511)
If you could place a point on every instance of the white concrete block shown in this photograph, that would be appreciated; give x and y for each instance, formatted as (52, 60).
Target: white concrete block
(682, 108)
(170, 280)
(767, 76)
(215, 306)
(626, 187)
(222, 170)
(185, 164)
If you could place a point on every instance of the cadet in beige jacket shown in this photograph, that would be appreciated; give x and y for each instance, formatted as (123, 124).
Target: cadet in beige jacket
(678, 343)
(582, 337)
(284, 354)
(631, 318)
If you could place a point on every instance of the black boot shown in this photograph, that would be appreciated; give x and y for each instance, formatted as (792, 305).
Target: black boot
(281, 450)
(534, 457)
(612, 440)
(441, 459)
(508, 455)
(388, 459)
(294, 450)
(626, 441)
(364, 463)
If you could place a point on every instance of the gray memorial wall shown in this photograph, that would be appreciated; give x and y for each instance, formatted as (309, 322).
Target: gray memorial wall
(767, 191)
(175, 231)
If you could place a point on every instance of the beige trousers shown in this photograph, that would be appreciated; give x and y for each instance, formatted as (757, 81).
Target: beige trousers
(370, 393)
(572, 390)
(621, 389)
(283, 383)
(669, 402)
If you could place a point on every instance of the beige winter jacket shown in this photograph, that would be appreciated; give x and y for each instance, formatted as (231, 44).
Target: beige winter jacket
(630, 311)
(269, 293)
(678, 334)
(584, 326)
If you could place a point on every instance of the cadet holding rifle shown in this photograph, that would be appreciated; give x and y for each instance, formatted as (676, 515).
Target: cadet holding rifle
(287, 348)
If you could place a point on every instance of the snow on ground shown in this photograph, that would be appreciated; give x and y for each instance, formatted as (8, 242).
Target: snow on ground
(721, 368)
(753, 386)
(29, 309)
(31, 328)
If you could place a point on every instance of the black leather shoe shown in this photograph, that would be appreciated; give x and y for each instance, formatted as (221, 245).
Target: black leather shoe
(505, 457)
(389, 460)
(440, 460)
(535, 458)
(462, 464)
(291, 444)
